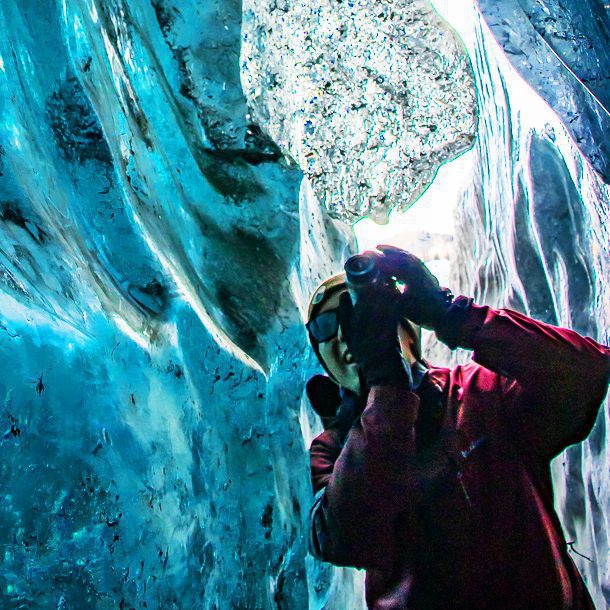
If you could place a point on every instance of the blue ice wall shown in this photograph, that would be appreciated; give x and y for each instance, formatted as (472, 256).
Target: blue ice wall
(158, 244)
(151, 345)
(562, 50)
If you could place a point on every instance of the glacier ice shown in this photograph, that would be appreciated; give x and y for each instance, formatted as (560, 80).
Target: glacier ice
(149, 238)
(172, 179)
(562, 50)
(346, 86)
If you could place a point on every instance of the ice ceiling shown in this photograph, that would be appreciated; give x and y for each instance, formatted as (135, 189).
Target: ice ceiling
(175, 177)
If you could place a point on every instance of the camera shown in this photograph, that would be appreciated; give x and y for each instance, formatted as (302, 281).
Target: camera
(362, 274)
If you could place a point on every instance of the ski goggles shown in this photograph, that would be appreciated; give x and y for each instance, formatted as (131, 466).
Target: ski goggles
(324, 327)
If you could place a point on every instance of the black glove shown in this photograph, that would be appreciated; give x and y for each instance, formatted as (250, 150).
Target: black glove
(424, 301)
(324, 396)
(371, 330)
(337, 408)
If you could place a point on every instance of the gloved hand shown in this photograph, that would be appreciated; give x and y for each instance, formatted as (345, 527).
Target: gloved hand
(371, 330)
(324, 396)
(337, 408)
(424, 301)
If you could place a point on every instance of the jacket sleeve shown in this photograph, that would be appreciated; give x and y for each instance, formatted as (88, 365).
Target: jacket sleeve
(556, 379)
(361, 487)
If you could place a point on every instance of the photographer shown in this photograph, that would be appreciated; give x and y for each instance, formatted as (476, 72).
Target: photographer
(437, 481)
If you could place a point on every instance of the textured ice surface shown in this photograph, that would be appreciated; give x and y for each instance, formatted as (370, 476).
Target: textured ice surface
(563, 50)
(345, 87)
(150, 272)
(157, 247)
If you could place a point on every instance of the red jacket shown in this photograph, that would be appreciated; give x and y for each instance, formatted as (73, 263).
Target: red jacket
(464, 518)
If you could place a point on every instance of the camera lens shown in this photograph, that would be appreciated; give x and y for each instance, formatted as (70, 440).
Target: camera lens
(361, 270)
(361, 273)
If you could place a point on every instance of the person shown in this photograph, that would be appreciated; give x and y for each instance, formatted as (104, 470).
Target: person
(437, 482)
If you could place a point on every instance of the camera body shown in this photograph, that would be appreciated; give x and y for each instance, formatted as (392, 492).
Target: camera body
(364, 275)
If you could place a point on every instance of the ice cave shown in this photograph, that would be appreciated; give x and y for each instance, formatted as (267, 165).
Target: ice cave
(176, 176)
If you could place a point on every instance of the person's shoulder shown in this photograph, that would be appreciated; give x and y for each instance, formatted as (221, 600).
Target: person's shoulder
(460, 375)
(474, 376)
(328, 439)
(439, 375)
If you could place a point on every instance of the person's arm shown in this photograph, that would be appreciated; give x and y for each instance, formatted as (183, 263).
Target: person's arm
(362, 486)
(556, 379)
(369, 481)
